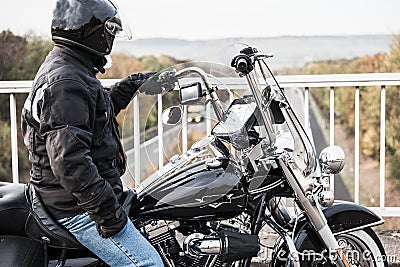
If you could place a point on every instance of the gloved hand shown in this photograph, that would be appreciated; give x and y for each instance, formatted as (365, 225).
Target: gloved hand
(114, 225)
(104, 208)
(167, 79)
(123, 91)
(138, 79)
(157, 83)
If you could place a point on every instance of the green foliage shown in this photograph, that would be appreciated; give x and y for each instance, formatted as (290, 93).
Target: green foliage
(152, 63)
(12, 51)
(5, 156)
(20, 58)
(37, 50)
(392, 61)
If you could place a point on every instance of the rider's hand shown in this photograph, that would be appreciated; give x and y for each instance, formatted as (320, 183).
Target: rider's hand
(157, 83)
(123, 91)
(138, 79)
(114, 225)
(167, 79)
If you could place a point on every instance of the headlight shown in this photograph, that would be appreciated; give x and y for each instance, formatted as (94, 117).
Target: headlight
(331, 159)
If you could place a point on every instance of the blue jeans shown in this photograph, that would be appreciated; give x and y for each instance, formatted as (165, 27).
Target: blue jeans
(127, 248)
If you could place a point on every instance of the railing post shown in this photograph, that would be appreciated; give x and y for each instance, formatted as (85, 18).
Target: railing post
(307, 110)
(208, 120)
(332, 128)
(160, 133)
(14, 139)
(184, 130)
(357, 146)
(136, 139)
(382, 158)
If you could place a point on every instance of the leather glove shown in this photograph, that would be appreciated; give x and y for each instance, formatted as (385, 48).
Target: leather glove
(123, 91)
(167, 79)
(157, 83)
(104, 208)
(138, 79)
(114, 225)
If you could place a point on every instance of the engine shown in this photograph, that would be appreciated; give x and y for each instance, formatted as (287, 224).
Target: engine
(200, 244)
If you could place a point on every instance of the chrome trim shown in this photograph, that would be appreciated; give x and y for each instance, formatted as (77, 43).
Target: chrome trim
(198, 244)
(360, 227)
(294, 253)
(266, 188)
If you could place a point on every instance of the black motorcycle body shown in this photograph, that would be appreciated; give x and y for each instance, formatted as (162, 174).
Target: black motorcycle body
(198, 192)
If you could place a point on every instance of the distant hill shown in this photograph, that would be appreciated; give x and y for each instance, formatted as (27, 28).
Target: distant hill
(289, 51)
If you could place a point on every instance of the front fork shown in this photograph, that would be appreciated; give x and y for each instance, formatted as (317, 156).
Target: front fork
(312, 210)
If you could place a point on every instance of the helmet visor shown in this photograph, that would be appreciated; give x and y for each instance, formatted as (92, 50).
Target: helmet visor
(118, 27)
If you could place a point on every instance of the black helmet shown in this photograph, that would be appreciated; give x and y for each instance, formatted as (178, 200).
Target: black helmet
(87, 24)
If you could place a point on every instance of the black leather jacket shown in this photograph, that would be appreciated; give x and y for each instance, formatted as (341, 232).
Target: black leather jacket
(69, 128)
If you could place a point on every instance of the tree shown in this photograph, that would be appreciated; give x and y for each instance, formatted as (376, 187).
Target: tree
(37, 50)
(20, 58)
(392, 64)
(12, 52)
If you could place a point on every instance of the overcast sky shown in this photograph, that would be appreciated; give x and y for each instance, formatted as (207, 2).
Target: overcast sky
(209, 19)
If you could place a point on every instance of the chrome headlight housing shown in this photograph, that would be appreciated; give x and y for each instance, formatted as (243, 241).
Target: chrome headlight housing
(331, 159)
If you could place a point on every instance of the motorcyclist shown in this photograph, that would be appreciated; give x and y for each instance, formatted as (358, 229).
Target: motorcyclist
(70, 130)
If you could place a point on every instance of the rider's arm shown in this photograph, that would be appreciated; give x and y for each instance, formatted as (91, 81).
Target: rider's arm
(123, 91)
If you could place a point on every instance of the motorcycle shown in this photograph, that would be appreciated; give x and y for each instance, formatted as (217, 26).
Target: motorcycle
(208, 205)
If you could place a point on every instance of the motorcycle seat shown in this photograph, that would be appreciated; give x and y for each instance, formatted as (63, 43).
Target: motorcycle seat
(22, 213)
(14, 209)
(43, 227)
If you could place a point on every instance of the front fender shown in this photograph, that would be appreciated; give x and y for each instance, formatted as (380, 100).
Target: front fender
(342, 217)
(346, 216)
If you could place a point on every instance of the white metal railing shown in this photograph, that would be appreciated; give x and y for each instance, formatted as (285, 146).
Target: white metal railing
(381, 80)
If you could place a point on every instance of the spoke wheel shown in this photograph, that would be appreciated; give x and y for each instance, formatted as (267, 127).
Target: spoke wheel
(362, 248)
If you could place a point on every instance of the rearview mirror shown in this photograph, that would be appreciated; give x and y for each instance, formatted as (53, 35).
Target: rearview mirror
(190, 94)
(172, 115)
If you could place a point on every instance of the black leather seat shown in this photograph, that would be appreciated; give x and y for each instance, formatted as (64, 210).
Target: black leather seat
(23, 214)
(41, 224)
(14, 209)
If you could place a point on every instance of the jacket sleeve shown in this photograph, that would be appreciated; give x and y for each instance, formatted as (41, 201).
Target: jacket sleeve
(67, 112)
(122, 93)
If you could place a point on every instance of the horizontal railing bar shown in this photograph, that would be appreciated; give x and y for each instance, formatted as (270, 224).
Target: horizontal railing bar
(335, 80)
(386, 211)
(321, 80)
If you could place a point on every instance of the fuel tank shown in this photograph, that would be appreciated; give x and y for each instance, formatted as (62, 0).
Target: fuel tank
(209, 189)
